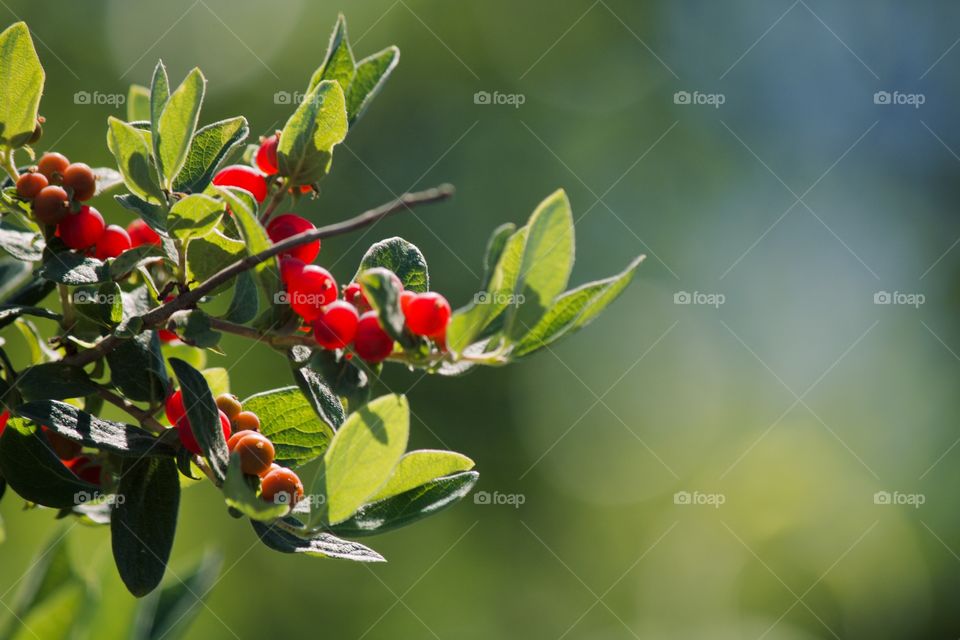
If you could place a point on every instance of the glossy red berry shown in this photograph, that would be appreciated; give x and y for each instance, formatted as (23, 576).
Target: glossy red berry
(288, 224)
(3, 421)
(371, 342)
(189, 441)
(50, 206)
(244, 177)
(166, 335)
(140, 233)
(311, 290)
(30, 184)
(354, 295)
(82, 229)
(174, 407)
(85, 469)
(290, 267)
(53, 166)
(256, 453)
(281, 486)
(81, 178)
(406, 297)
(112, 242)
(336, 326)
(427, 314)
(267, 155)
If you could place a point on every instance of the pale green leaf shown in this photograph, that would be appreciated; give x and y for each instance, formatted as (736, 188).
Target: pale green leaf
(21, 84)
(420, 467)
(177, 124)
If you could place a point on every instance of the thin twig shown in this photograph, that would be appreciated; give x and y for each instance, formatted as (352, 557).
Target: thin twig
(144, 417)
(273, 339)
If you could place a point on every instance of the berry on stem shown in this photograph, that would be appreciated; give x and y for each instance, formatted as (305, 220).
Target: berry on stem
(311, 290)
(256, 453)
(236, 437)
(53, 166)
(427, 314)
(81, 178)
(244, 177)
(354, 295)
(267, 155)
(287, 225)
(140, 233)
(406, 297)
(246, 421)
(336, 326)
(174, 407)
(30, 184)
(281, 486)
(112, 242)
(371, 342)
(189, 440)
(82, 229)
(229, 404)
(50, 205)
(290, 267)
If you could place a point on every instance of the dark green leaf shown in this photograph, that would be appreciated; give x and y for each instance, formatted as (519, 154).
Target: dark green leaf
(402, 258)
(70, 268)
(21, 83)
(345, 378)
(55, 381)
(154, 215)
(245, 302)
(11, 312)
(13, 273)
(144, 521)
(129, 259)
(371, 74)
(137, 368)
(321, 397)
(381, 290)
(210, 145)
(323, 545)
(103, 304)
(193, 327)
(288, 419)
(21, 243)
(204, 416)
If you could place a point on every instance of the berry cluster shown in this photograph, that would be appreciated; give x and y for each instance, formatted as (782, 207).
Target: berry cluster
(241, 429)
(56, 189)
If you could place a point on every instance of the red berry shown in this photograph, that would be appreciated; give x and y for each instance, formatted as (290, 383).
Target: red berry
(244, 177)
(290, 267)
(282, 227)
(51, 164)
(336, 326)
(281, 486)
(256, 453)
(50, 206)
(141, 233)
(406, 297)
(65, 448)
(237, 437)
(371, 342)
(267, 155)
(166, 335)
(174, 407)
(3, 421)
(113, 242)
(427, 314)
(189, 441)
(81, 178)
(311, 290)
(82, 229)
(85, 469)
(30, 184)
(354, 295)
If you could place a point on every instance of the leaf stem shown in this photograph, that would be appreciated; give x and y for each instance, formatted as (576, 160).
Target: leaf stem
(6, 159)
(275, 201)
(147, 420)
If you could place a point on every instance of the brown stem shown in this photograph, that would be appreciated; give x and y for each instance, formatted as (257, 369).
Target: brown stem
(144, 417)
(273, 339)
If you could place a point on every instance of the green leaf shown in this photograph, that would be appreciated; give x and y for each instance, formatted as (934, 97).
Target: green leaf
(103, 304)
(204, 417)
(218, 378)
(138, 103)
(137, 368)
(371, 74)
(363, 454)
(383, 294)
(193, 327)
(91, 431)
(245, 303)
(21, 83)
(131, 148)
(420, 467)
(180, 602)
(73, 269)
(495, 246)
(338, 64)
(408, 507)
(11, 312)
(34, 471)
(321, 397)
(13, 273)
(107, 179)
(289, 420)
(244, 210)
(240, 492)
(575, 309)
(56, 617)
(177, 124)
(144, 521)
(210, 146)
(347, 380)
(130, 259)
(159, 94)
(153, 215)
(194, 216)
(211, 253)
(20, 243)
(402, 258)
(545, 268)
(319, 124)
(55, 381)
(323, 545)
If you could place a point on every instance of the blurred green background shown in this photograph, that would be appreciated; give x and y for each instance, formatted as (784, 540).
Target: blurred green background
(784, 409)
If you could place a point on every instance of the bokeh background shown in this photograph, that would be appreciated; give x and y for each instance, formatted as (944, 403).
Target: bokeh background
(781, 412)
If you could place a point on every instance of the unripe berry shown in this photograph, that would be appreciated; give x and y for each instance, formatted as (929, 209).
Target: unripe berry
(229, 404)
(50, 206)
(30, 184)
(81, 178)
(237, 437)
(290, 267)
(189, 440)
(174, 407)
(288, 224)
(354, 295)
(112, 242)
(140, 233)
(371, 342)
(281, 486)
(53, 166)
(311, 290)
(85, 469)
(336, 326)
(427, 314)
(82, 229)
(256, 453)
(247, 421)
(244, 177)
(267, 155)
